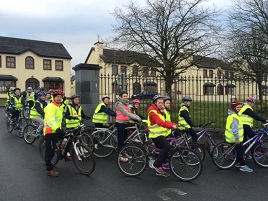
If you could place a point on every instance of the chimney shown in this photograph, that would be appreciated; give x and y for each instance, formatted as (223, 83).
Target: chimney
(99, 48)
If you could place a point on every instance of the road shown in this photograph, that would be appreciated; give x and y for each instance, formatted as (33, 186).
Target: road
(23, 178)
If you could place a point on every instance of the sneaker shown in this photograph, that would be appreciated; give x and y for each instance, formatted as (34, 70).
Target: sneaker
(165, 166)
(245, 168)
(37, 134)
(53, 173)
(237, 165)
(160, 171)
(123, 159)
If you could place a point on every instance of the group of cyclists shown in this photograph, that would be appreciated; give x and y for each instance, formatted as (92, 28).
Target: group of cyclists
(48, 109)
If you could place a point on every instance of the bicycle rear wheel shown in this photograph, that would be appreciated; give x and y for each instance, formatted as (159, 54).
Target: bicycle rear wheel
(198, 149)
(42, 149)
(210, 144)
(104, 143)
(20, 125)
(185, 164)
(260, 154)
(29, 134)
(132, 160)
(10, 125)
(83, 159)
(224, 155)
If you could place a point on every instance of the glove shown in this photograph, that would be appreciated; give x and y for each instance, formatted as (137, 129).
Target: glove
(60, 132)
(13, 107)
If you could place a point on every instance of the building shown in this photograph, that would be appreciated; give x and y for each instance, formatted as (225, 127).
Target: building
(30, 63)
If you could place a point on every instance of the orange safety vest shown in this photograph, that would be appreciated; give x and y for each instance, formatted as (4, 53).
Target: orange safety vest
(120, 116)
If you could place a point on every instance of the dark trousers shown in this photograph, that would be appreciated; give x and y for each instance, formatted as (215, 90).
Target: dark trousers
(161, 143)
(50, 140)
(240, 154)
(121, 134)
(193, 134)
(14, 113)
(248, 132)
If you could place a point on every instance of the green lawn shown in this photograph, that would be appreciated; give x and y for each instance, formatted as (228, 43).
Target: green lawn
(2, 102)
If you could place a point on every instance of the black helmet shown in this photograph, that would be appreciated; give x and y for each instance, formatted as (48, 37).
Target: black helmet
(123, 92)
(187, 98)
(74, 96)
(16, 89)
(156, 97)
(41, 88)
(167, 98)
(105, 96)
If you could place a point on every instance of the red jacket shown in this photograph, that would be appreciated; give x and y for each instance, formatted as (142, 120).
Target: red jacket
(156, 120)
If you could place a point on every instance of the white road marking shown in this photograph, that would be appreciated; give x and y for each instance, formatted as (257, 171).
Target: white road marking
(163, 193)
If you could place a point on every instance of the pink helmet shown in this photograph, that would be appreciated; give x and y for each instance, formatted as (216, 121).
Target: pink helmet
(136, 101)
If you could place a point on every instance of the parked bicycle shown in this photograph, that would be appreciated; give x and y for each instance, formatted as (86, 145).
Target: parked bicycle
(224, 155)
(81, 153)
(185, 164)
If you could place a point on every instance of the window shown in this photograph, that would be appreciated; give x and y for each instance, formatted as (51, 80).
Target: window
(114, 70)
(59, 65)
(10, 62)
(53, 85)
(29, 63)
(232, 75)
(136, 88)
(208, 88)
(210, 73)
(135, 71)
(47, 64)
(219, 74)
(219, 89)
(226, 75)
(145, 71)
(153, 72)
(229, 91)
(124, 70)
(32, 82)
(205, 73)
(0, 61)
(6, 84)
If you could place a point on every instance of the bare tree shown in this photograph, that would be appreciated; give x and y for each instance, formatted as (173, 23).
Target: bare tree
(248, 40)
(164, 29)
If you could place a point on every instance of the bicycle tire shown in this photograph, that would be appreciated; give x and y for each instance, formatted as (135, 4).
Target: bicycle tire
(87, 163)
(19, 132)
(87, 139)
(29, 132)
(185, 164)
(42, 148)
(224, 155)
(103, 146)
(26, 114)
(210, 144)
(198, 149)
(10, 126)
(136, 160)
(260, 154)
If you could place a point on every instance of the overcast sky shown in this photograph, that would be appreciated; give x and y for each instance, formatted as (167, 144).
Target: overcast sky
(74, 23)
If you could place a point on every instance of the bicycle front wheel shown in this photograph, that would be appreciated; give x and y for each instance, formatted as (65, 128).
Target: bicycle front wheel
(10, 125)
(83, 159)
(26, 114)
(260, 154)
(104, 143)
(185, 164)
(198, 149)
(42, 150)
(29, 134)
(224, 155)
(132, 160)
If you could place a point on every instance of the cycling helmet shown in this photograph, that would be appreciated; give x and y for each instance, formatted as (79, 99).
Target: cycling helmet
(187, 98)
(106, 96)
(251, 99)
(156, 97)
(50, 90)
(29, 88)
(57, 92)
(235, 103)
(123, 92)
(74, 96)
(12, 88)
(41, 88)
(42, 93)
(167, 98)
(16, 88)
(136, 101)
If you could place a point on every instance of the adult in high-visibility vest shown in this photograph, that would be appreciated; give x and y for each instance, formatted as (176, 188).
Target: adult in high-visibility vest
(123, 115)
(17, 102)
(52, 129)
(30, 97)
(184, 119)
(102, 113)
(158, 131)
(247, 115)
(37, 112)
(234, 134)
(74, 113)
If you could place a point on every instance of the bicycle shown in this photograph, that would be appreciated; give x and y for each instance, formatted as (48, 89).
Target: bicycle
(106, 139)
(82, 154)
(224, 155)
(29, 133)
(15, 124)
(185, 164)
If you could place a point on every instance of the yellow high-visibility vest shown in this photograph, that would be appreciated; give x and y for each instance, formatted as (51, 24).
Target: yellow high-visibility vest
(181, 121)
(229, 135)
(247, 120)
(100, 117)
(156, 130)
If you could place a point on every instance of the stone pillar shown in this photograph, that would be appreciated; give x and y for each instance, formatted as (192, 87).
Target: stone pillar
(87, 86)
